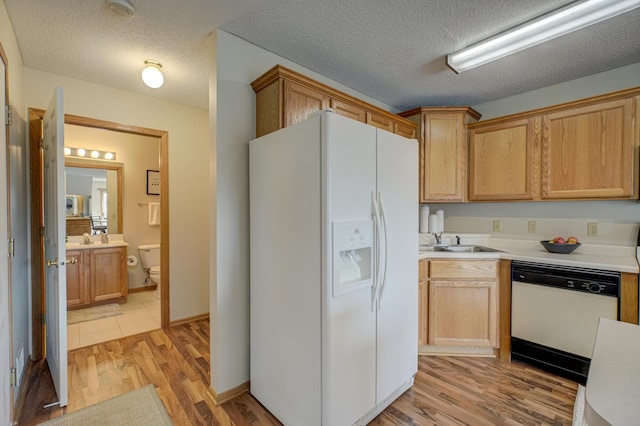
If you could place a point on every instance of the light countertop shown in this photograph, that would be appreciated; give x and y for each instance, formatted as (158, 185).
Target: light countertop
(613, 390)
(115, 240)
(592, 256)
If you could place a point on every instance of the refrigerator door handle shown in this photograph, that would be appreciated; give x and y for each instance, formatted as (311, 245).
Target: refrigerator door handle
(376, 250)
(383, 275)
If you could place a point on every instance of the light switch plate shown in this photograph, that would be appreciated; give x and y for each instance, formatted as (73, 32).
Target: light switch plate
(497, 226)
(533, 227)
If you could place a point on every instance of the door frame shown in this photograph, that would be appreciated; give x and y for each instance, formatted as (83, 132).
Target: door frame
(37, 219)
(9, 311)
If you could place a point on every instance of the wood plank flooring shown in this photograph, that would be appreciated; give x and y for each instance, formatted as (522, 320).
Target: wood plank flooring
(447, 390)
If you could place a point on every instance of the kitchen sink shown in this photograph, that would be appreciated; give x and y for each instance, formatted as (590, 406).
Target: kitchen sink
(470, 249)
(458, 249)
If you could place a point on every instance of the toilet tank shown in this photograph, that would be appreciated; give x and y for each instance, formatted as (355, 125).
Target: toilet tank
(149, 255)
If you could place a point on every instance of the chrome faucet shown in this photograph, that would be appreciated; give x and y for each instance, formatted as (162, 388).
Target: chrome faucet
(438, 237)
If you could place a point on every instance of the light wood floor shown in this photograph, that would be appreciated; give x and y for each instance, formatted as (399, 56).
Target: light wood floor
(447, 390)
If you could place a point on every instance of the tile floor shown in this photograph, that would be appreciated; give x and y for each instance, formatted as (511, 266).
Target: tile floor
(141, 313)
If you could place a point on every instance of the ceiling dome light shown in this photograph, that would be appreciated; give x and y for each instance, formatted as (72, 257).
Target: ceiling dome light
(152, 74)
(122, 7)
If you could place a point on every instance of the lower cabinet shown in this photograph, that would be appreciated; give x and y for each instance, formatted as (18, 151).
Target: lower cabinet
(99, 276)
(423, 301)
(461, 304)
(77, 280)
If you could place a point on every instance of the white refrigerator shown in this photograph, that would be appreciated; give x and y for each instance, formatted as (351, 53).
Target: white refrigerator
(334, 270)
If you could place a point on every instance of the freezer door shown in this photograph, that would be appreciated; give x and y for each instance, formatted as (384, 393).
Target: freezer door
(397, 315)
(348, 362)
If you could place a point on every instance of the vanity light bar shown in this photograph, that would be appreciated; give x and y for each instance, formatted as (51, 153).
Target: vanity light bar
(89, 153)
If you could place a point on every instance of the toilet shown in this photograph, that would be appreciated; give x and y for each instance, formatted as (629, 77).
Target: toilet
(150, 260)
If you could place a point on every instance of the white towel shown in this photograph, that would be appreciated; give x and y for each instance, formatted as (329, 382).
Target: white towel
(154, 213)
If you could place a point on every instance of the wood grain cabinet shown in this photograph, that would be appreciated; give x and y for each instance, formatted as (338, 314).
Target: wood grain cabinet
(423, 301)
(99, 276)
(463, 303)
(580, 150)
(285, 97)
(504, 160)
(78, 292)
(589, 152)
(442, 132)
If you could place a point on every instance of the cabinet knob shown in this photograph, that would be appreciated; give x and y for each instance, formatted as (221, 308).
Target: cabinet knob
(72, 261)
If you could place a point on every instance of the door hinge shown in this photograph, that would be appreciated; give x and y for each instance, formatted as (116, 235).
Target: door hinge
(12, 247)
(12, 377)
(8, 115)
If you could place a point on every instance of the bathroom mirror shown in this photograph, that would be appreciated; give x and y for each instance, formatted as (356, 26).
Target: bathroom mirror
(93, 189)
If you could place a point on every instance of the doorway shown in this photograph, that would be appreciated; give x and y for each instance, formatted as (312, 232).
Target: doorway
(37, 266)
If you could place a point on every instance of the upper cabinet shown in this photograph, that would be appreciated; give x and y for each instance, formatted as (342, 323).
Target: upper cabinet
(581, 150)
(588, 152)
(443, 151)
(285, 97)
(504, 160)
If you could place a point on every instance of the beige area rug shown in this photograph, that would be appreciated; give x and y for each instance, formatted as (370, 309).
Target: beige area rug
(139, 407)
(93, 313)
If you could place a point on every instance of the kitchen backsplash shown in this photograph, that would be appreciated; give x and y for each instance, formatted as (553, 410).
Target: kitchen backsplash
(617, 221)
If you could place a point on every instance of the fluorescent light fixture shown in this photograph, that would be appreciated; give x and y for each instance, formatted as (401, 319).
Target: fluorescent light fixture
(152, 74)
(565, 20)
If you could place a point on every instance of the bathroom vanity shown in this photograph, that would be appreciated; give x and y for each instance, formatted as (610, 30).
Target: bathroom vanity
(96, 273)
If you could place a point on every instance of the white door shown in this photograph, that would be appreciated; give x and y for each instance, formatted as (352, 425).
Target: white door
(54, 245)
(349, 356)
(6, 400)
(397, 316)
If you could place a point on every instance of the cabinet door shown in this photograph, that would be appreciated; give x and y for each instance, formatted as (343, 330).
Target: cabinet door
(462, 313)
(300, 101)
(348, 110)
(588, 152)
(77, 279)
(443, 157)
(108, 273)
(380, 121)
(504, 161)
(404, 130)
(423, 302)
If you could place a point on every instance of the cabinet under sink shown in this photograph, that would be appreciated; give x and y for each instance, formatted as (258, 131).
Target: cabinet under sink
(98, 276)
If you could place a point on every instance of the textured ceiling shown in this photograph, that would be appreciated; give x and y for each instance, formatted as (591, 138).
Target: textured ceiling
(392, 51)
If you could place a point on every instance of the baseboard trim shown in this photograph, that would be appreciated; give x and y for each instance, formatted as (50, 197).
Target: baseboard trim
(189, 319)
(142, 289)
(221, 398)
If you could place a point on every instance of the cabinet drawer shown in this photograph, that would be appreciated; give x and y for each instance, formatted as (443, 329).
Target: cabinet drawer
(473, 269)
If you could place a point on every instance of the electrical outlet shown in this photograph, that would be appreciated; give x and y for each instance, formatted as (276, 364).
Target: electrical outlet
(497, 226)
(592, 229)
(533, 227)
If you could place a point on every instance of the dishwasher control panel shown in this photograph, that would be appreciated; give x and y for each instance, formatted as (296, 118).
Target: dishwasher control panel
(593, 281)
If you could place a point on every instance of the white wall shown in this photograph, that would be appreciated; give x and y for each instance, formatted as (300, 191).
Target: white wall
(592, 85)
(237, 64)
(618, 220)
(188, 171)
(18, 195)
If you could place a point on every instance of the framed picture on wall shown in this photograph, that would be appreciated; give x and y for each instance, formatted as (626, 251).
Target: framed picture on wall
(153, 182)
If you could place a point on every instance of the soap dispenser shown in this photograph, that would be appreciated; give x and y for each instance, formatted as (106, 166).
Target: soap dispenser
(104, 237)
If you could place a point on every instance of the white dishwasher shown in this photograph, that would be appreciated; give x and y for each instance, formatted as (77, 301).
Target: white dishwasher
(555, 312)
